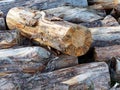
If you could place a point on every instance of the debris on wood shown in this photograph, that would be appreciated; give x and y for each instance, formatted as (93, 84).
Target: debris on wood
(66, 37)
(107, 53)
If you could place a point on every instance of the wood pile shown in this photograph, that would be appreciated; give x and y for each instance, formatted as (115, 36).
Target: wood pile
(59, 44)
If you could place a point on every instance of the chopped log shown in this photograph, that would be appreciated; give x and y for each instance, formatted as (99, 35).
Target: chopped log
(62, 61)
(9, 38)
(75, 15)
(51, 31)
(109, 21)
(107, 53)
(105, 36)
(107, 4)
(94, 76)
(25, 59)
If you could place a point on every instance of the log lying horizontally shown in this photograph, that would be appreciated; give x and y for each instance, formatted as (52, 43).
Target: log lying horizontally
(50, 31)
(107, 53)
(105, 36)
(26, 59)
(93, 76)
(75, 15)
(9, 38)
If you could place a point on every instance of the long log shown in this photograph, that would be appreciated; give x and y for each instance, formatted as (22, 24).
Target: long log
(87, 76)
(25, 59)
(75, 15)
(50, 31)
(107, 53)
(9, 38)
(105, 36)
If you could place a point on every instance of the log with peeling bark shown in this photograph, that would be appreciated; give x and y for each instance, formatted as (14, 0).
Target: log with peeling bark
(75, 15)
(93, 76)
(107, 53)
(107, 4)
(25, 59)
(62, 61)
(105, 36)
(9, 38)
(51, 31)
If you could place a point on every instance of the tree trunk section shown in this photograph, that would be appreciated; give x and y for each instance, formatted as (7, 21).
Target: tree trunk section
(51, 31)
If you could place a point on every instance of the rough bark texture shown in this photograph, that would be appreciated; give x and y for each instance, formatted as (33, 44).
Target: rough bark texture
(9, 38)
(51, 31)
(75, 15)
(26, 59)
(107, 53)
(105, 36)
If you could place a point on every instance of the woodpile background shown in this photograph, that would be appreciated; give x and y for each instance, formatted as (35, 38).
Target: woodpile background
(59, 45)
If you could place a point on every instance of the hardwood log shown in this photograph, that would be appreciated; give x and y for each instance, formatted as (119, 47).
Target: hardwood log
(25, 59)
(9, 38)
(62, 61)
(105, 36)
(87, 76)
(51, 31)
(107, 53)
(75, 15)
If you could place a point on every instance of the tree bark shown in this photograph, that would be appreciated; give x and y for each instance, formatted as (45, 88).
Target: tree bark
(76, 15)
(51, 31)
(9, 38)
(105, 36)
(107, 53)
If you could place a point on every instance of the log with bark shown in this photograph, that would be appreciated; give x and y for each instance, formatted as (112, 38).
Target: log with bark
(9, 38)
(107, 53)
(107, 4)
(51, 31)
(105, 36)
(25, 59)
(2, 24)
(75, 15)
(93, 76)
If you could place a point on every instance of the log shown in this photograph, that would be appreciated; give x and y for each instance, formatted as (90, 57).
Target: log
(109, 21)
(24, 59)
(61, 61)
(51, 31)
(105, 36)
(2, 24)
(107, 4)
(94, 76)
(76, 15)
(9, 38)
(107, 53)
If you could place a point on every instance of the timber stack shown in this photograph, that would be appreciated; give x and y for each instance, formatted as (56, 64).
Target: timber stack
(59, 44)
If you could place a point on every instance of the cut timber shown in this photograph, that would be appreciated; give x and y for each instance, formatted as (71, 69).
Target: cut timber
(107, 53)
(62, 61)
(51, 31)
(75, 15)
(93, 76)
(105, 36)
(25, 59)
(109, 21)
(2, 24)
(107, 4)
(9, 38)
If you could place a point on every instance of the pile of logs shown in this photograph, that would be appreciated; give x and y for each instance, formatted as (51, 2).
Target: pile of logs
(59, 45)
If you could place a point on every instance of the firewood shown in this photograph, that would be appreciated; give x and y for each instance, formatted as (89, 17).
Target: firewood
(107, 53)
(105, 36)
(25, 59)
(9, 38)
(2, 24)
(94, 76)
(51, 31)
(75, 15)
(61, 61)
(109, 21)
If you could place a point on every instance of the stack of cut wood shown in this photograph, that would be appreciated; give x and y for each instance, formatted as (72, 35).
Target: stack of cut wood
(59, 44)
